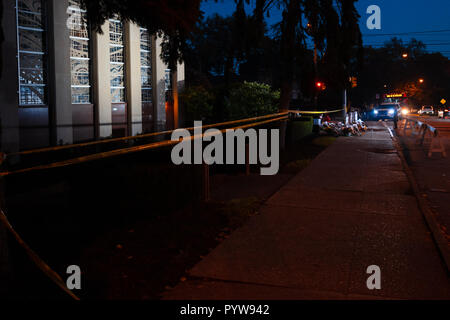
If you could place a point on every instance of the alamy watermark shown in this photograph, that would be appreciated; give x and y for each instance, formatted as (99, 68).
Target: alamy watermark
(233, 140)
(74, 279)
(374, 20)
(374, 281)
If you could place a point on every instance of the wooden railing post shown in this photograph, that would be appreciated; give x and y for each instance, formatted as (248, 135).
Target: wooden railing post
(247, 160)
(205, 182)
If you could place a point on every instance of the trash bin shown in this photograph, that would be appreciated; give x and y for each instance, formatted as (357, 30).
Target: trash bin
(317, 122)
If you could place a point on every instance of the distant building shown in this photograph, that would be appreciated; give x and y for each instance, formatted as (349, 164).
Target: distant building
(63, 84)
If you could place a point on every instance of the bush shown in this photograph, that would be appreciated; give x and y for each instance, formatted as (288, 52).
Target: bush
(300, 128)
(198, 103)
(251, 99)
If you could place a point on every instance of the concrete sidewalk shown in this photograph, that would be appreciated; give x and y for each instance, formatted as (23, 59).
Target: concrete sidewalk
(314, 238)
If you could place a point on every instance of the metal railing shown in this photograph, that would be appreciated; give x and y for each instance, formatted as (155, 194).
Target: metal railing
(155, 145)
(424, 129)
(35, 258)
(137, 137)
(254, 122)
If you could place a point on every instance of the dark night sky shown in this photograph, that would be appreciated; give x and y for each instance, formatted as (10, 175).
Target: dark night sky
(398, 16)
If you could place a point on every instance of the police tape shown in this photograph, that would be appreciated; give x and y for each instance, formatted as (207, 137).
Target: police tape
(315, 112)
(35, 258)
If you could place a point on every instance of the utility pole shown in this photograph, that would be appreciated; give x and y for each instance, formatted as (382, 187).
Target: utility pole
(315, 75)
(344, 109)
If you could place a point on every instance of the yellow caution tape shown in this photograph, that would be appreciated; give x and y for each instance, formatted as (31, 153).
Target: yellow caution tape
(315, 112)
(36, 259)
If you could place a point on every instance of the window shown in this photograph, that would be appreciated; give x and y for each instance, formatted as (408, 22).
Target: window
(31, 53)
(167, 80)
(146, 66)
(79, 54)
(117, 65)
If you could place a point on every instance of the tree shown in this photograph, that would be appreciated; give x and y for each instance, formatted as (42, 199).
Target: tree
(211, 49)
(386, 71)
(198, 103)
(335, 32)
(2, 38)
(251, 99)
(224, 50)
(174, 20)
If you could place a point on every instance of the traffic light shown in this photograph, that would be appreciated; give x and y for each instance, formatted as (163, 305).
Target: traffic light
(320, 85)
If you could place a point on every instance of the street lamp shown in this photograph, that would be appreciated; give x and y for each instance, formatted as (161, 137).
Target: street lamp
(405, 55)
(421, 80)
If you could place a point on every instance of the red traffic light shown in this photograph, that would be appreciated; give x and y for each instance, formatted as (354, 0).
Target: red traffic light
(320, 86)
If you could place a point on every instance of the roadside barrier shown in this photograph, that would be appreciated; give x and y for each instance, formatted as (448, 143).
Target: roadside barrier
(433, 131)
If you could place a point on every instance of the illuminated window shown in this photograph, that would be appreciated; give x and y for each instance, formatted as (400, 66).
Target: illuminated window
(31, 52)
(116, 50)
(79, 53)
(167, 80)
(146, 66)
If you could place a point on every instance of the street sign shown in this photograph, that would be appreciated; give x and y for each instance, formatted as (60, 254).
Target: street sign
(443, 101)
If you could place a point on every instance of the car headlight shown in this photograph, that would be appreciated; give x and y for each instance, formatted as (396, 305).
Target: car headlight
(375, 111)
(404, 112)
(391, 111)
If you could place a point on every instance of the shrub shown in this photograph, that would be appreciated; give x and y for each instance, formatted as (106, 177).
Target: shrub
(198, 103)
(251, 99)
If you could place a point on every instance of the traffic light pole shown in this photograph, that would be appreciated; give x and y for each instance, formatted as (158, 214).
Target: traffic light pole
(344, 107)
(316, 93)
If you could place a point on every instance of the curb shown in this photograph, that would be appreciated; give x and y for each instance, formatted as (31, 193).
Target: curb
(439, 239)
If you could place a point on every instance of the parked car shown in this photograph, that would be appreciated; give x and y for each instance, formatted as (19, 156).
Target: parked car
(427, 110)
(414, 110)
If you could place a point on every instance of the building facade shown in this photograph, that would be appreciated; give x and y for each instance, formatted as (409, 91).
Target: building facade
(63, 84)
